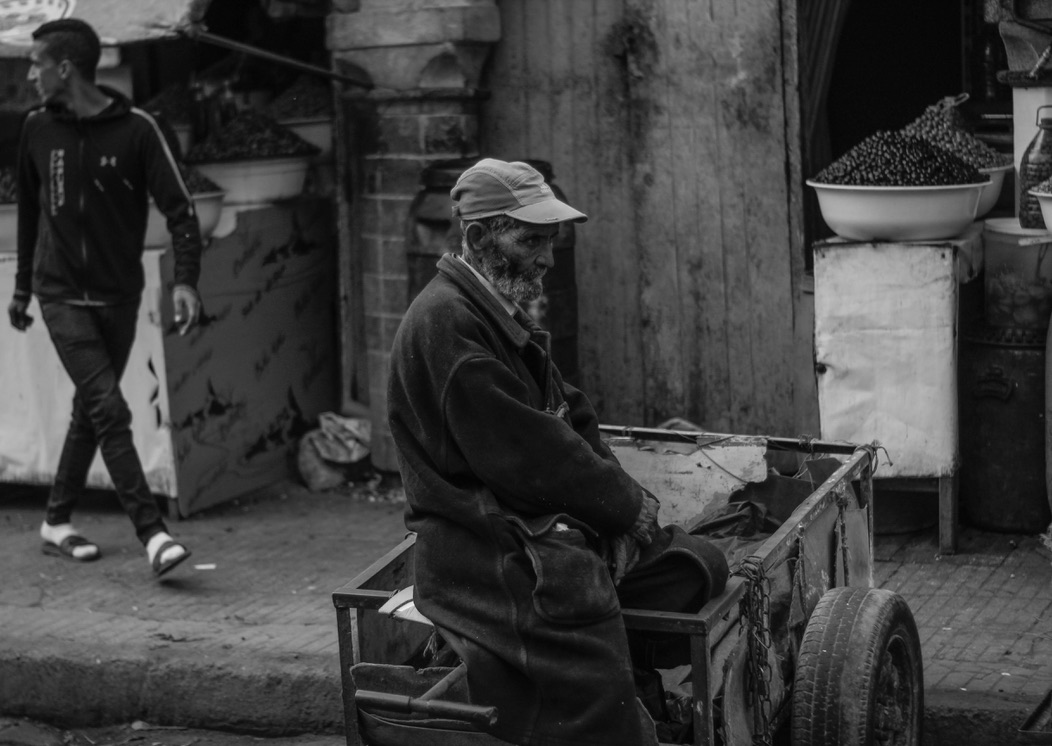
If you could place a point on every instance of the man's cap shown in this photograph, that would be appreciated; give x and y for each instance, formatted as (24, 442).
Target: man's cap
(515, 189)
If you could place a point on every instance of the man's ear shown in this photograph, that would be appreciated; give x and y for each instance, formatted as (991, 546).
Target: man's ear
(473, 235)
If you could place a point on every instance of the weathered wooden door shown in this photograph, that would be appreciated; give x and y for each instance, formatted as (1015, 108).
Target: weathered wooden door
(673, 124)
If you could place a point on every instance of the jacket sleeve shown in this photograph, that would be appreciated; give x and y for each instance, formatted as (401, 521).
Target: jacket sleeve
(534, 462)
(173, 199)
(28, 188)
(584, 420)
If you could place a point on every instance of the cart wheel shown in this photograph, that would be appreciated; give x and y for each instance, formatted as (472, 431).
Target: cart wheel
(859, 677)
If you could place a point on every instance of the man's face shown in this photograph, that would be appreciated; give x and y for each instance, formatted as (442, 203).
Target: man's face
(45, 73)
(515, 261)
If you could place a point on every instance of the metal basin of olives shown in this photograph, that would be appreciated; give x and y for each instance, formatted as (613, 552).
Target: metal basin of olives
(898, 213)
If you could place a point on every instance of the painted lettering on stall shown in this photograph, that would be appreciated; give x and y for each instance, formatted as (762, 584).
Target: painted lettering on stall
(250, 251)
(193, 370)
(296, 246)
(312, 292)
(269, 353)
(269, 285)
(284, 429)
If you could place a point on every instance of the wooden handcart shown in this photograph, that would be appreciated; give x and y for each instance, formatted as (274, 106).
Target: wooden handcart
(800, 647)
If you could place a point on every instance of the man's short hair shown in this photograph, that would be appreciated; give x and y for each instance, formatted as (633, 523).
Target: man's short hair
(74, 40)
(494, 225)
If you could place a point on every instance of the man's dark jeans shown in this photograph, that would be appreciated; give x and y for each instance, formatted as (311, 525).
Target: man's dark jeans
(94, 343)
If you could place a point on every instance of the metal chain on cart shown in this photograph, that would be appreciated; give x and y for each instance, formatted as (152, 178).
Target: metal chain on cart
(755, 609)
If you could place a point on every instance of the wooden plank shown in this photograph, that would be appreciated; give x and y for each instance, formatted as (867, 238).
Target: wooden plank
(686, 269)
(538, 113)
(720, 364)
(805, 384)
(559, 145)
(761, 139)
(704, 690)
(501, 127)
(704, 301)
(655, 165)
(580, 176)
(609, 328)
(736, 177)
(582, 134)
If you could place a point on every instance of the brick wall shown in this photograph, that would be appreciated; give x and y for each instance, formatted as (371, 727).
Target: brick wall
(411, 133)
(424, 57)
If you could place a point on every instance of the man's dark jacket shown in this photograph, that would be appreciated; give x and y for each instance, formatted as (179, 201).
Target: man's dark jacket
(511, 492)
(83, 202)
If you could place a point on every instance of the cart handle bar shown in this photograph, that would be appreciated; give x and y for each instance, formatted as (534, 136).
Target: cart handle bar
(483, 716)
(805, 444)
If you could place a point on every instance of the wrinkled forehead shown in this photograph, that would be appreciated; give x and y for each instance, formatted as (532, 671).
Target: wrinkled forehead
(535, 229)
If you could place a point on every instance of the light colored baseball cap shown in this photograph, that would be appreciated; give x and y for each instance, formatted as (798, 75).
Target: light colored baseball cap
(492, 187)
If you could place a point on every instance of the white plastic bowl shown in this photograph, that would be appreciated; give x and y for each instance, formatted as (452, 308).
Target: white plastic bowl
(8, 227)
(317, 131)
(1045, 201)
(991, 192)
(256, 181)
(208, 205)
(907, 213)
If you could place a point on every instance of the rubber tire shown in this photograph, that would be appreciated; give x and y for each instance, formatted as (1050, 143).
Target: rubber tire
(859, 672)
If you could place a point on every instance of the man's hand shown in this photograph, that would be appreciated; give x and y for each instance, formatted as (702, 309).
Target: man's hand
(625, 549)
(187, 305)
(625, 554)
(646, 524)
(16, 311)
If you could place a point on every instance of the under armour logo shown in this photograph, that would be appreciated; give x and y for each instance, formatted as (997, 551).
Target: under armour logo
(111, 161)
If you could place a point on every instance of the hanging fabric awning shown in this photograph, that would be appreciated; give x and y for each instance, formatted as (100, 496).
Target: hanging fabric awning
(116, 21)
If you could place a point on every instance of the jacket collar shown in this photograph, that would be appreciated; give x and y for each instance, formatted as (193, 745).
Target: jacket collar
(462, 276)
(117, 108)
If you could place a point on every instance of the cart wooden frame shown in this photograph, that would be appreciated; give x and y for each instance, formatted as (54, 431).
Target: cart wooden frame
(815, 537)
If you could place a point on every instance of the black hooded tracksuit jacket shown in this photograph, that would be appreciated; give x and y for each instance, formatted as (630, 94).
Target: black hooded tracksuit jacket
(83, 202)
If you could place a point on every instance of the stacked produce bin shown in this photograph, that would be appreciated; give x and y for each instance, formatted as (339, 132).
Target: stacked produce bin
(255, 377)
(889, 291)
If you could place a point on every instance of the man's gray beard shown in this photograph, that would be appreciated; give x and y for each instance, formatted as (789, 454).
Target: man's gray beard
(521, 288)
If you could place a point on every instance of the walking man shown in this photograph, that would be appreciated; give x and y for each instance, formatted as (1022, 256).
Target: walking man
(88, 161)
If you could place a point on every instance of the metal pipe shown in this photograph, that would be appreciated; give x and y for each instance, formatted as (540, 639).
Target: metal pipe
(195, 32)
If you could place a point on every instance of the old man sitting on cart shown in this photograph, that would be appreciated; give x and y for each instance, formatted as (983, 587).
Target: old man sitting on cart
(530, 535)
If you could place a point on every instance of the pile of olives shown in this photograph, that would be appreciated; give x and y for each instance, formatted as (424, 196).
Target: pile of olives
(888, 158)
(174, 104)
(304, 99)
(197, 182)
(1045, 187)
(250, 135)
(943, 125)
